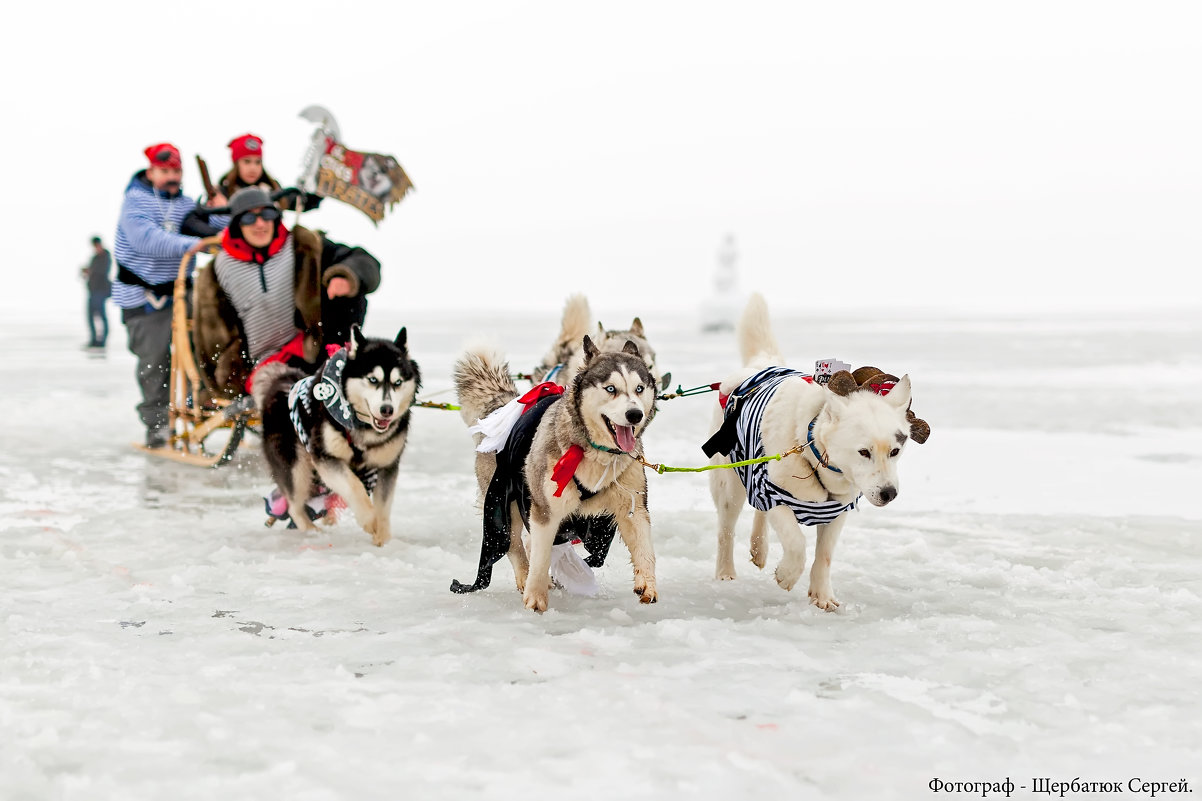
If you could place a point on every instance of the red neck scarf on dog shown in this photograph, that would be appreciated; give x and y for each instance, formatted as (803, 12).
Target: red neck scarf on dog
(565, 468)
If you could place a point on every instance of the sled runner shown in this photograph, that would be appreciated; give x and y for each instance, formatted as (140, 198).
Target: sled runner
(204, 427)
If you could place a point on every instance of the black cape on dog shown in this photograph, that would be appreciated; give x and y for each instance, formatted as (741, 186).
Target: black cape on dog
(508, 486)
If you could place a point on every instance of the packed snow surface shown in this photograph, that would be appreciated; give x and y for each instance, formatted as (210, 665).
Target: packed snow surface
(1029, 607)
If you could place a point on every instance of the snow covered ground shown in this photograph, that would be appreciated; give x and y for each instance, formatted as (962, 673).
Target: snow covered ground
(1029, 607)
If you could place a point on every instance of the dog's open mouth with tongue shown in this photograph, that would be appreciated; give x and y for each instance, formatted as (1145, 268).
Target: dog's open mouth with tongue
(380, 424)
(623, 435)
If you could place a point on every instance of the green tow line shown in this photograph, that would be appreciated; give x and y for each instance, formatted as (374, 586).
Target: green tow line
(662, 468)
(684, 393)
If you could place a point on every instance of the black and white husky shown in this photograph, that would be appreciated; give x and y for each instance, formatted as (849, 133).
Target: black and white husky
(553, 453)
(345, 427)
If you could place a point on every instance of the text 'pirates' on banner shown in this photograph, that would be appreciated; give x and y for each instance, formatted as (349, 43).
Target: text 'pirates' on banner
(371, 182)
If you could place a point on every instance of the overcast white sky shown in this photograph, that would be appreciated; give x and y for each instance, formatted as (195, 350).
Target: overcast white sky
(905, 155)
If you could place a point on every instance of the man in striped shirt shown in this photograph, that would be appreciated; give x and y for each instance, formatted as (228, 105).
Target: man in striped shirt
(148, 247)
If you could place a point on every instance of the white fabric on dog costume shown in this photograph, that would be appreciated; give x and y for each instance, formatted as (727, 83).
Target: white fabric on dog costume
(496, 426)
(571, 572)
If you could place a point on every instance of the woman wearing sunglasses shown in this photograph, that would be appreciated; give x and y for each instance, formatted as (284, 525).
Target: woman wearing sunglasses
(275, 295)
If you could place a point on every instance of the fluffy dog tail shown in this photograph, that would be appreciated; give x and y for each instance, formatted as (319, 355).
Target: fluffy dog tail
(757, 345)
(576, 318)
(482, 382)
(572, 329)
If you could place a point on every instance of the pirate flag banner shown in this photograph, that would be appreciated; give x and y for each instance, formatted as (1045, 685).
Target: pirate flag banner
(371, 182)
(367, 181)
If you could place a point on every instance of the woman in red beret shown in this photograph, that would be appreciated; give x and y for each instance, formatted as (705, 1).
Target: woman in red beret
(246, 152)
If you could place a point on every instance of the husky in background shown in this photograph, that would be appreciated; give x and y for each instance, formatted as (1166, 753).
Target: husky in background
(565, 356)
(344, 427)
(838, 447)
(561, 453)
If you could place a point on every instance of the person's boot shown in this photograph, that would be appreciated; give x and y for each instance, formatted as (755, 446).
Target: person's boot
(156, 438)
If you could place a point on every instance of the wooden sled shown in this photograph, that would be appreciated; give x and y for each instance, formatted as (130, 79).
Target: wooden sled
(203, 430)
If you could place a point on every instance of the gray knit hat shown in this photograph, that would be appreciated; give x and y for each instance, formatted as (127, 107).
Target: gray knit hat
(247, 199)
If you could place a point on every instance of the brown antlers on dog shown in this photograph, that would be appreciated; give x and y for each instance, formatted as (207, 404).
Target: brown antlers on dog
(868, 379)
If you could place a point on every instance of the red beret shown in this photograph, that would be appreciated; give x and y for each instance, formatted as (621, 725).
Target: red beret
(164, 154)
(245, 145)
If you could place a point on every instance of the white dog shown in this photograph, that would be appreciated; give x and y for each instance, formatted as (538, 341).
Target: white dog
(838, 444)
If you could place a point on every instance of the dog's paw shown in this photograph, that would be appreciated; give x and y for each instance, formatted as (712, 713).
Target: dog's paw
(535, 600)
(725, 575)
(371, 525)
(759, 558)
(786, 578)
(380, 537)
(646, 593)
(823, 599)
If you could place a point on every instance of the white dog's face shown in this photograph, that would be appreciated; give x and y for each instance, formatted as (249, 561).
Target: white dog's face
(864, 435)
(616, 405)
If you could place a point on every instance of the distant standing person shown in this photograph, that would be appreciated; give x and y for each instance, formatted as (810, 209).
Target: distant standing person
(148, 249)
(99, 289)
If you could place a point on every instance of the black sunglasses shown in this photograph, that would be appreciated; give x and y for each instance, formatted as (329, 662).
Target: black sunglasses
(267, 214)
(164, 155)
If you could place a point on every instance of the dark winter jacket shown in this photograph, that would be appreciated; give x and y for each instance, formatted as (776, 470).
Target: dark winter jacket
(230, 183)
(99, 284)
(217, 331)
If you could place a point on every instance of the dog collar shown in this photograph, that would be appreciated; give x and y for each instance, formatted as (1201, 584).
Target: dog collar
(603, 448)
(810, 441)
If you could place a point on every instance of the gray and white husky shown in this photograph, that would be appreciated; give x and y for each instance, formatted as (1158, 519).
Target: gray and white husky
(561, 454)
(562, 361)
(838, 446)
(345, 427)
(566, 356)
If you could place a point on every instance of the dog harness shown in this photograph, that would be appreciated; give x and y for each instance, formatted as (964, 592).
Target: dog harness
(319, 394)
(740, 437)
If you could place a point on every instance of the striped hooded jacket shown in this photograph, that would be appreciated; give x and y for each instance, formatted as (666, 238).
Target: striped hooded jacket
(143, 245)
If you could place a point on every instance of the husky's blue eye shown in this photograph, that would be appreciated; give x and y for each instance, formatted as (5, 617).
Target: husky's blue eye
(611, 390)
(638, 390)
(371, 379)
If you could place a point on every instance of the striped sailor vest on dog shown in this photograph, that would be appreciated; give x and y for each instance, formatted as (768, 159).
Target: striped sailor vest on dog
(739, 437)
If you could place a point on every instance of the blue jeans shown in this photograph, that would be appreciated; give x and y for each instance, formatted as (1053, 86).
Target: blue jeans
(96, 311)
